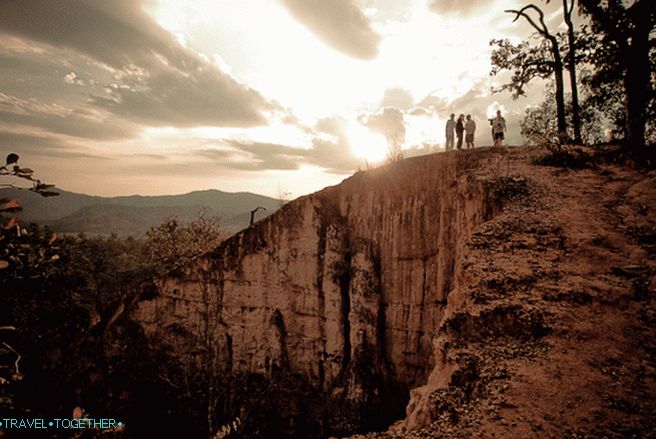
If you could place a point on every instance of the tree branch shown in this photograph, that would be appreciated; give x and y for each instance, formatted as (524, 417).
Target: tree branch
(571, 8)
(567, 11)
(539, 63)
(18, 357)
(522, 12)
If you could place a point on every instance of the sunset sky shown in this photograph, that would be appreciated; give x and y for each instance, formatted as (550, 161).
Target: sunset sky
(117, 97)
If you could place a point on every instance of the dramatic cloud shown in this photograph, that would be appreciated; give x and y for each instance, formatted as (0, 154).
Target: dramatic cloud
(159, 96)
(149, 77)
(339, 23)
(43, 145)
(331, 125)
(433, 103)
(389, 122)
(73, 121)
(334, 156)
(397, 97)
(459, 7)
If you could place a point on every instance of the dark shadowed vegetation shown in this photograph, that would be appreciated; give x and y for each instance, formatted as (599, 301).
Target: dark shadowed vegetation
(65, 345)
(609, 59)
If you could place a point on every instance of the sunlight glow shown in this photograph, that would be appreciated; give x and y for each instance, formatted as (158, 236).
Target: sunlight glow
(372, 147)
(491, 111)
(424, 130)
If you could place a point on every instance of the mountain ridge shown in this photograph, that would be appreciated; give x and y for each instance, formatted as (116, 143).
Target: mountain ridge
(72, 212)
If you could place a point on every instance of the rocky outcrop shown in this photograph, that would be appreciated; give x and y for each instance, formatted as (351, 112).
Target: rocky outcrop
(345, 287)
(469, 294)
(549, 328)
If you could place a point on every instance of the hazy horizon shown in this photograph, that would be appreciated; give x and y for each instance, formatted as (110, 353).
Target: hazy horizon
(159, 97)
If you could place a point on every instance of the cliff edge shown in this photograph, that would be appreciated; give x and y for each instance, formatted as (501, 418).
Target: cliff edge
(458, 294)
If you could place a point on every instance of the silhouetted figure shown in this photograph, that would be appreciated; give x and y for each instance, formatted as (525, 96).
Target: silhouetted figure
(450, 132)
(470, 129)
(498, 129)
(460, 129)
(253, 214)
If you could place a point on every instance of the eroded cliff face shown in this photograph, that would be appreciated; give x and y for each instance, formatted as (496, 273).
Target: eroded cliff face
(345, 288)
(409, 294)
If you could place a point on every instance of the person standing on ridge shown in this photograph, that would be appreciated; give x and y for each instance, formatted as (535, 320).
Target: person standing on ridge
(450, 132)
(460, 129)
(498, 128)
(470, 129)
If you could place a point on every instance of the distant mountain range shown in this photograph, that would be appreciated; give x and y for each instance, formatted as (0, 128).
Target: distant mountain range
(135, 215)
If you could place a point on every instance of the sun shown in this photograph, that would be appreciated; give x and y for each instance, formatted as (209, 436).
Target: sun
(365, 144)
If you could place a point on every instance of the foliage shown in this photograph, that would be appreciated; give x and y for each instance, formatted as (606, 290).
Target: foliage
(24, 252)
(63, 327)
(625, 58)
(101, 272)
(525, 62)
(535, 65)
(75, 341)
(607, 99)
(13, 169)
(173, 244)
(597, 49)
(603, 89)
(603, 83)
(539, 124)
(528, 61)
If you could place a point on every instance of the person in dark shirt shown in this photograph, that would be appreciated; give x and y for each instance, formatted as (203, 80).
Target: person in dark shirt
(460, 129)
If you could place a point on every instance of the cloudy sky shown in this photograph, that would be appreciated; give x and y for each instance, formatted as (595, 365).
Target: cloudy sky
(116, 97)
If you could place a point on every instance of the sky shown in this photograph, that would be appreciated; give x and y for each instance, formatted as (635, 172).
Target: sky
(277, 97)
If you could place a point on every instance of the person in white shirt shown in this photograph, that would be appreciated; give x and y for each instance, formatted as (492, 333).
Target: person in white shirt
(450, 132)
(470, 129)
(498, 129)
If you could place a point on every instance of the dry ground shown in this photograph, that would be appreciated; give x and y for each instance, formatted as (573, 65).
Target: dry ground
(556, 335)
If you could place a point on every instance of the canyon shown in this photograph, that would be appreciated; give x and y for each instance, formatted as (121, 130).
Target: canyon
(404, 299)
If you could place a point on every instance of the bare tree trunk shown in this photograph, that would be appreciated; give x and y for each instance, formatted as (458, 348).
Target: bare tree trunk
(560, 90)
(637, 84)
(571, 61)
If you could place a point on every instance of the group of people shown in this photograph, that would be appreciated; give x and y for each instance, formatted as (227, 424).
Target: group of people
(467, 127)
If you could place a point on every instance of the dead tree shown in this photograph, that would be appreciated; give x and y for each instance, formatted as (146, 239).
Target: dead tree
(557, 61)
(253, 214)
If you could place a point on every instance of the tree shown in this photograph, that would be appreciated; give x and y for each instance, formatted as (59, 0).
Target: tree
(25, 254)
(568, 8)
(172, 244)
(526, 62)
(629, 28)
(20, 255)
(539, 128)
(557, 62)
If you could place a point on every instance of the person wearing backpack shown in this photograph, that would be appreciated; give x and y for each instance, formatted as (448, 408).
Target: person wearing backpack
(498, 129)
